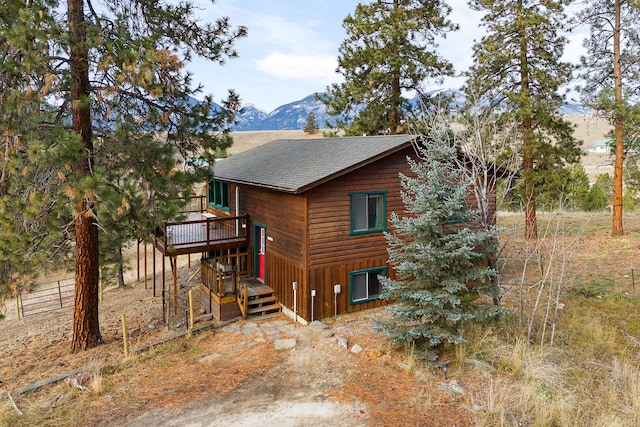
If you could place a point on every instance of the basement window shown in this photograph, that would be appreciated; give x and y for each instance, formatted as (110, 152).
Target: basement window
(364, 285)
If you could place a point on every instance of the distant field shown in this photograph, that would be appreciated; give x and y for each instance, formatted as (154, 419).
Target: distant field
(588, 130)
(243, 141)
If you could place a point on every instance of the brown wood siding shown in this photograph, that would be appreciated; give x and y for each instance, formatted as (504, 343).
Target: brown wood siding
(323, 280)
(330, 241)
(309, 238)
(280, 274)
(333, 251)
(284, 217)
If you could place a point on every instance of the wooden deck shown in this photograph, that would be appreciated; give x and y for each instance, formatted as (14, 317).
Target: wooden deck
(259, 301)
(200, 233)
(256, 287)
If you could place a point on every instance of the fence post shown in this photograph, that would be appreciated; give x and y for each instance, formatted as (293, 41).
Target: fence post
(18, 305)
(190, 311)
(125, 336)
(60, 293)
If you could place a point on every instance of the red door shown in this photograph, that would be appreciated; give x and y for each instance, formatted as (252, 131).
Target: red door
(262, 249)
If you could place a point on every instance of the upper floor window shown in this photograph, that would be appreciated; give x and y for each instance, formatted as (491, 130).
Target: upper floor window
(368, 212)
(220, 194)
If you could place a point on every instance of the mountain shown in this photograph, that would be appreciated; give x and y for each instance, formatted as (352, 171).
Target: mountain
(574, 109)
(293, 116)
(249, 118)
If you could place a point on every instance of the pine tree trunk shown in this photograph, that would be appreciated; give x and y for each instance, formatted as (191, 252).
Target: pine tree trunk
(617, 229)
(120, 267)
(394, 114)
(531, 221)
(86, 328)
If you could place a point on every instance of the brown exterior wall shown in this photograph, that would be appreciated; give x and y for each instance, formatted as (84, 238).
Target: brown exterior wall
(333, 251)
(284, 217)
(309, 240)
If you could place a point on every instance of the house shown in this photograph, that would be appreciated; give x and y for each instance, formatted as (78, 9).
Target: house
(601, 146)
(313, 213)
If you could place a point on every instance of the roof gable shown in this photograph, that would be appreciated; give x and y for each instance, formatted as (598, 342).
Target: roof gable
(296, 165)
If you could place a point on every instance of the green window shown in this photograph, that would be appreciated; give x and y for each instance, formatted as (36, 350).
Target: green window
(461, 217)
(364, 285)
(220, 194)
(368, 212)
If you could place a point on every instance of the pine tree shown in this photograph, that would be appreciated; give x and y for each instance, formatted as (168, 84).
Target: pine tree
(610, 73)
(311, 125)
(517, 69)
(439, 252)
(87, 93)
(389, 50)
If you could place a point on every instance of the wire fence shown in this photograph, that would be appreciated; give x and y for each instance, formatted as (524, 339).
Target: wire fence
(175, 310)
(47, 296)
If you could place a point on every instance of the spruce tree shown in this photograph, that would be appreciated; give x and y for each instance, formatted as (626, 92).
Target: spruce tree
(518, 70)
(439, 252)
(94, 93)
(390, 49)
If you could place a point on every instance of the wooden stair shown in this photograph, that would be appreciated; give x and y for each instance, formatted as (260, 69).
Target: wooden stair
(260, 300)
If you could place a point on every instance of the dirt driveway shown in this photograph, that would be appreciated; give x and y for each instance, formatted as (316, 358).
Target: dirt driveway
(235, 375)
(295, 391)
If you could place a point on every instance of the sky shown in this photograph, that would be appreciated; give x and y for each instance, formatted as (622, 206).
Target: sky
(292, 47)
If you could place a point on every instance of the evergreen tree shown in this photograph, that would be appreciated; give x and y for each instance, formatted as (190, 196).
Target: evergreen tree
(311, 126)
(610, 73)
(596, 198)
(631, 184)
(389, 50)
(96, 108)
(439, 254)
(600, 194)
(517, 69)
(577, 188)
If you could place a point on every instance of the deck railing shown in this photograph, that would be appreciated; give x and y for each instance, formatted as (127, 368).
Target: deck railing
(195, 204)
(204, 232)
(221, 275)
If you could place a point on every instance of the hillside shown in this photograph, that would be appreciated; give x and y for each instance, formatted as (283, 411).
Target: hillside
(589, 129)
(348, 374)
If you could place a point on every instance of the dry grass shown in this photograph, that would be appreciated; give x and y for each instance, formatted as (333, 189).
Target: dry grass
(590, 375)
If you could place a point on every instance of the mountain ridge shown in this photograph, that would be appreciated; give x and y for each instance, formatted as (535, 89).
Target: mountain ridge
(293, 115)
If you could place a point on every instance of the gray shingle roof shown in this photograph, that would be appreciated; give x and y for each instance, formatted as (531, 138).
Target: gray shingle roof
(296, 165)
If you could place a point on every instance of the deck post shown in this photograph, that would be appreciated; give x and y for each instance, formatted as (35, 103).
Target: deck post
(145, 266)
(154, 271)
(245, 301)
(174, 266)
(138, 258)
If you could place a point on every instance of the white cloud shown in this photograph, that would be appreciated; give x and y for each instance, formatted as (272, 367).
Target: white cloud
(319, 68)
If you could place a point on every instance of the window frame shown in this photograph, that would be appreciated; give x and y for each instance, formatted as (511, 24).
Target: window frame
(216, 193)
(382, 226)
(463, 217)
(380, 271)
